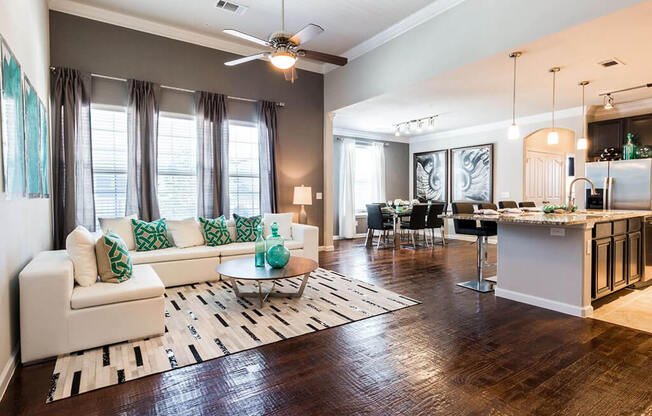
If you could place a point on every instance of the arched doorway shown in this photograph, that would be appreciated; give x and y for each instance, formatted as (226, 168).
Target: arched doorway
(545, 166)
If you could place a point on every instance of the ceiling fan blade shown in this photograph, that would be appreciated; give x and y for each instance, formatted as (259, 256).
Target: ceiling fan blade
(291, 74)
(304, 35)
(323, 57)
(245, 36)
(246, 59)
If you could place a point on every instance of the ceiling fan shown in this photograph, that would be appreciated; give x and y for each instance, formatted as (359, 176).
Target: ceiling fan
(285, 48)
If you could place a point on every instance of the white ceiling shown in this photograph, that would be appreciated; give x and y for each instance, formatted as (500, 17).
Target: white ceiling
(347, 23)
(481, 93)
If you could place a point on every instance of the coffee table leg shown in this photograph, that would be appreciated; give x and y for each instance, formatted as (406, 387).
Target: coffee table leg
(303, 284)
(234, 286)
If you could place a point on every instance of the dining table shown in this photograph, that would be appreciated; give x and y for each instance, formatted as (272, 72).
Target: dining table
(395, 215)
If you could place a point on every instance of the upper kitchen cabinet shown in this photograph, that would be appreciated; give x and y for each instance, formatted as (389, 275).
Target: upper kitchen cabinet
(641, 126)
(603, 134)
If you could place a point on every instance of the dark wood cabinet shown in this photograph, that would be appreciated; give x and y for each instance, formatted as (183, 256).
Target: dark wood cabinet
(641, 126)
(619, 243)
(603, 134)
(635, 257)
(602, 267)
(617, 257)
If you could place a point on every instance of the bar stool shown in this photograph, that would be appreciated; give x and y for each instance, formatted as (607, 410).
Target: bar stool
(507, 204)
(468, 227)
(491, 227)
(526, 204)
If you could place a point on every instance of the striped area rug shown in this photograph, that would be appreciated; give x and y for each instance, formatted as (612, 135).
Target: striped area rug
(206, 321)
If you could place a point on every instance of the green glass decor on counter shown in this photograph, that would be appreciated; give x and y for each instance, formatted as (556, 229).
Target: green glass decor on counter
(278, 256)
(629, 149)
(557, 209)
(260, 248)
(274, 238)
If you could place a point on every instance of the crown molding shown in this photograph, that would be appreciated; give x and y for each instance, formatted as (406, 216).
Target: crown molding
(482, 128)
(415, 19)
(160, 29)
(368, 135)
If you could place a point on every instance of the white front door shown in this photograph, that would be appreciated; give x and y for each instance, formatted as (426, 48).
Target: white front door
(545, 175)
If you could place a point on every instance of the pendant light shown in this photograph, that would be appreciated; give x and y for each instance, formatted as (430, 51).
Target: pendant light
(514, 133)
(582, 142)
(553, 136)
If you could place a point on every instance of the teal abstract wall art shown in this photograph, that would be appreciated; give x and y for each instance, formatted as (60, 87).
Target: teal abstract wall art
(44, 150)
(32, 140)
(13, 149)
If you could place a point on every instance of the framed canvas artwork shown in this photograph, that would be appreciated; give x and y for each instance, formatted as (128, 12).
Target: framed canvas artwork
(472, 173)
(44, 149)
(32, 140)
(13, 141)
(430, 176)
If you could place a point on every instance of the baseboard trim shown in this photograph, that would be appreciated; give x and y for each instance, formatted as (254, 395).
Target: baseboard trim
(582, 312)
(326, 248)
(8, 371)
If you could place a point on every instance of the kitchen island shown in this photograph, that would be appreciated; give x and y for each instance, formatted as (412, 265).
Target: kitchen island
(565, 261)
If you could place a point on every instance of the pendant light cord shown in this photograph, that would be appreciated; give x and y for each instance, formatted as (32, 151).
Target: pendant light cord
(583, 113)
(514, 93)
(554, 77)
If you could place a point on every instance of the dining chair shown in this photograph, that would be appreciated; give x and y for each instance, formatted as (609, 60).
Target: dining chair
(433, 221)
(527, 204)
(376, 222)
(417, 221)
(507, 204)
(469, 227)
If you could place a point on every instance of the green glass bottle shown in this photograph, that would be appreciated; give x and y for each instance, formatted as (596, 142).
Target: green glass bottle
(629, 149)
(274, 238)
(260, 248)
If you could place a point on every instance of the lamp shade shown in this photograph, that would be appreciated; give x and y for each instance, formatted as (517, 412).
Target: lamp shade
(302, 195)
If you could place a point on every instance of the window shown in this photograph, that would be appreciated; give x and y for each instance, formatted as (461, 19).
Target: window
(109, 132)
(177, 166)
(244, 181)
(364, 177)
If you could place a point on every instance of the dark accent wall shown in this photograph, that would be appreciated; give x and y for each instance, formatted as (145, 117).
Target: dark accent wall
(397, 176)
(115, 51)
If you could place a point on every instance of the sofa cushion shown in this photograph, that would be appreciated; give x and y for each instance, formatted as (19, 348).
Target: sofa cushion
(174, 254)
(144, 284)
(246, 228)
(113, 260)
(185, 233)
(122, 227)
(80, 245)
(284, 222)
(216, 232)
(150, 235)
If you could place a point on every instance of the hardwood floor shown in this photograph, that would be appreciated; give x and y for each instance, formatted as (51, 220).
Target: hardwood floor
(458, 353)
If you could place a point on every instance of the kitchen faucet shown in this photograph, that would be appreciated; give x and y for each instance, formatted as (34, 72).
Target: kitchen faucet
(569, 207)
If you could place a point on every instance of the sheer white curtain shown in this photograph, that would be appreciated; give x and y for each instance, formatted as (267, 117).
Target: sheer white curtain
(378, 172)
(347, 186)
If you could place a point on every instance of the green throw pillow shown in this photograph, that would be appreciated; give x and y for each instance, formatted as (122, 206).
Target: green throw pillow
(113, 260)
(216, 232)
(246, 229)
(150, 235)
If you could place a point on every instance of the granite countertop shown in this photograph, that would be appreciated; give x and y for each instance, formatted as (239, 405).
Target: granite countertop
(540, 218)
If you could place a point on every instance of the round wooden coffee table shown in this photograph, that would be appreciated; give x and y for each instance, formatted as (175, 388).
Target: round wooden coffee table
(245, 269)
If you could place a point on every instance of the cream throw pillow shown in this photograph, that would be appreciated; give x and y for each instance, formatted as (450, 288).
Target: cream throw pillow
(80, 246)
(185, 233)
(122, 228)
(284, 222)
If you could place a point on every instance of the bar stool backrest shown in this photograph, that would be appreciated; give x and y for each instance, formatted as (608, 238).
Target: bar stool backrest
(507, 204)
(527, 204)
(464, 226)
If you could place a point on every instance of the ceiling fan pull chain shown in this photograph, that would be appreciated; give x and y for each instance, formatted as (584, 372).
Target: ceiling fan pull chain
(283, 15)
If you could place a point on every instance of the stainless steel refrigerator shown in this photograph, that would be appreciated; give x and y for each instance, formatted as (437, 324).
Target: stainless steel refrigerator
(627, 185)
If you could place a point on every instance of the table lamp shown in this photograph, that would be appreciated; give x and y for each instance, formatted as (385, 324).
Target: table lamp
(303, 197)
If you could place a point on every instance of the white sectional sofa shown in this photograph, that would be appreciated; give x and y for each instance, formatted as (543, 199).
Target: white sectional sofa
(57, 316)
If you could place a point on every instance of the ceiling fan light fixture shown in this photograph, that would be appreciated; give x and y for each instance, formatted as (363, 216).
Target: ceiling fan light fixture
(283, 59)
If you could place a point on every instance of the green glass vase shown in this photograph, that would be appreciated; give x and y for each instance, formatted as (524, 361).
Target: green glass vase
(278, 256)
(260, 248)
(274, 238)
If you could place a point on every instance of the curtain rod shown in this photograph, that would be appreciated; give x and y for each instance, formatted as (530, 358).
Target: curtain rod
(167, 87)
(339, 139)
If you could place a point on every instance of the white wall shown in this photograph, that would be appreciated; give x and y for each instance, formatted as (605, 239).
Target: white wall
(25, 224)
(508, 154)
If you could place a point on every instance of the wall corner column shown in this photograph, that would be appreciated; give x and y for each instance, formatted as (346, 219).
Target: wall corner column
(328, 179)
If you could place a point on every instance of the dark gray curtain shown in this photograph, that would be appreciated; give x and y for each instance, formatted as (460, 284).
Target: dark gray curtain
(212, 155)
(72, 160)
(142, 149)
(268, 139)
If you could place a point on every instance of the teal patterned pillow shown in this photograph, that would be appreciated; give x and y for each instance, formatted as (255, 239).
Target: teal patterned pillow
(246, 228)
(150, 235)
(113, 260)
(216, 232)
